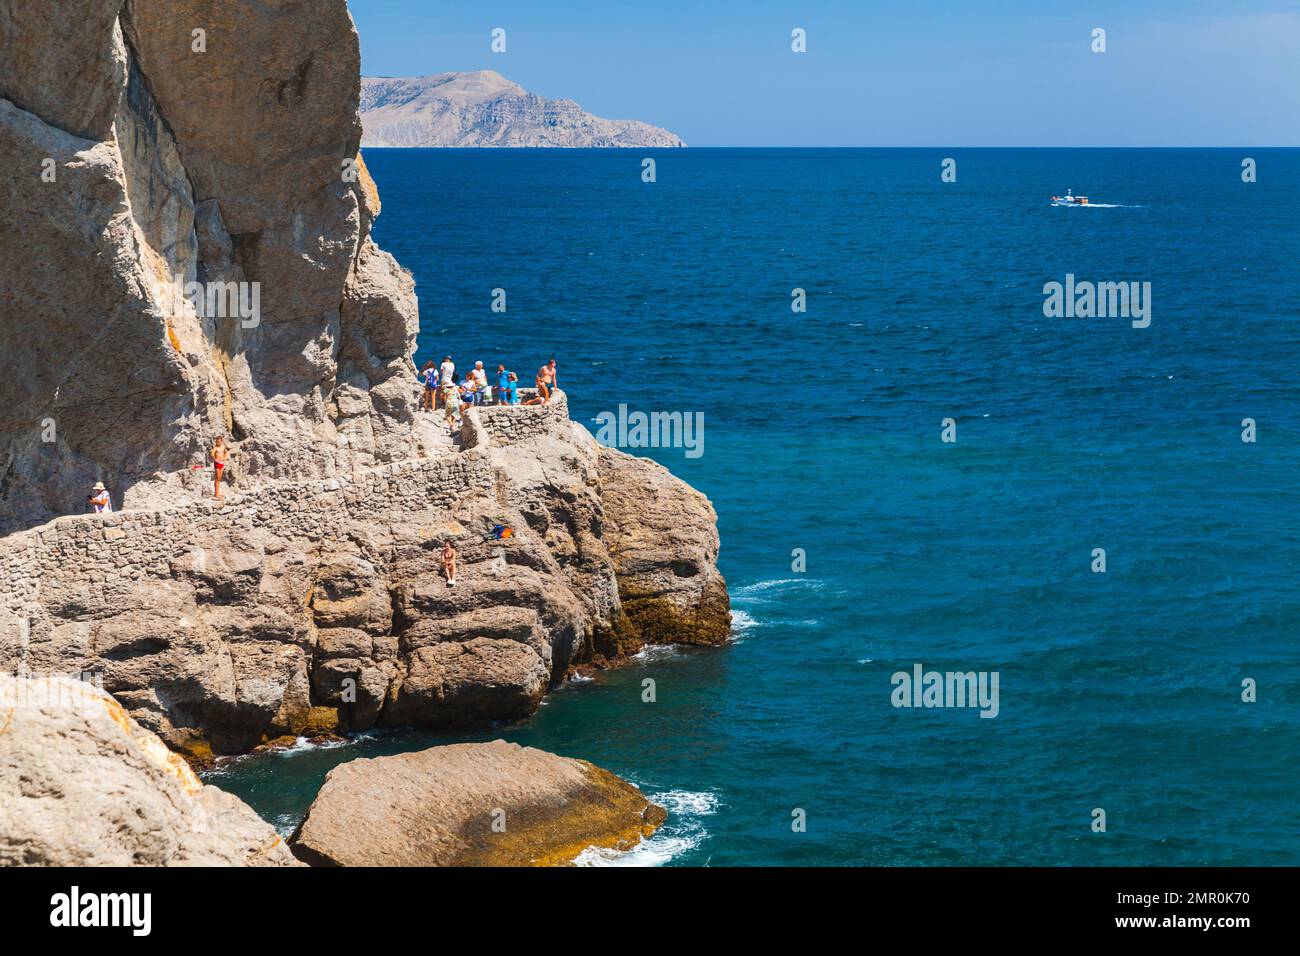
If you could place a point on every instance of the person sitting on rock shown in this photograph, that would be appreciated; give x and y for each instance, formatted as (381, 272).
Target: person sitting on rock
(99, 499)
(543, 396)
(449, 563)
(513, 388)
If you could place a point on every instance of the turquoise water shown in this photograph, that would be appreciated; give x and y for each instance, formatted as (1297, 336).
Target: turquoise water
(1119, 690)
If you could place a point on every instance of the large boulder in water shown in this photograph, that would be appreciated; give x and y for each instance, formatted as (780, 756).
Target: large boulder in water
(494, 804)
(82, 784)
(663, 537)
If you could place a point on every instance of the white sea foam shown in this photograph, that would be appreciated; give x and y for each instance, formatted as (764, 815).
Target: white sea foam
(682, 832)
(654, 652)
(655, 851)
(700, 803)
(299, 746)
(304, 744)
(758, 590)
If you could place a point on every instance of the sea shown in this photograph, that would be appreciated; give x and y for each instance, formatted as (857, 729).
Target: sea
(918, 466)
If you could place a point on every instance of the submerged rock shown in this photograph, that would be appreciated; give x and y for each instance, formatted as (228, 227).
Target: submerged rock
(82, 784)
(494, 804)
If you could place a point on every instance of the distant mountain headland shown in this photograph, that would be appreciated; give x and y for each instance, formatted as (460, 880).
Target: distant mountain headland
(483, 108)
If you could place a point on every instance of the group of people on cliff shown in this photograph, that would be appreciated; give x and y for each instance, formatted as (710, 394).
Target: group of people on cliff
(442, 390)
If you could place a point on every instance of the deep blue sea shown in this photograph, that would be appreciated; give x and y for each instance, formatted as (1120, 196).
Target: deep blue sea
(1119, 690)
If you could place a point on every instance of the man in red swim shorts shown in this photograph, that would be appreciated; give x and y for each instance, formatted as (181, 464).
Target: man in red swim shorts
(219, 455)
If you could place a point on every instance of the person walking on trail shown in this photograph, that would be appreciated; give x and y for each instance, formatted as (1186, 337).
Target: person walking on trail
(449, 563)
(99, 499)
(219, 455)
(429, 375)
(447, 377)
(451, 406)
(480, 383)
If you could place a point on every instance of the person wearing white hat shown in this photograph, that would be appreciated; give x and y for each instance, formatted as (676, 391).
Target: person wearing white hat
(100, 500)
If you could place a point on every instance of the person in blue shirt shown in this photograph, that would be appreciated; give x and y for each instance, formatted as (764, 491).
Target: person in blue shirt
(503, 386)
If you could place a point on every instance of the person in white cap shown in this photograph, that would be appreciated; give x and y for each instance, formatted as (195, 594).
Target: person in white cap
(100, 500)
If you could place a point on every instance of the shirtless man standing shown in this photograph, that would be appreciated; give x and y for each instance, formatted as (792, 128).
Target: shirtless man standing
(219, 455)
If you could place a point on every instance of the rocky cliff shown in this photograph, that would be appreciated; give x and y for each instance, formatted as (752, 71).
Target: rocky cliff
(483, 108)
(214, 141)
(82, 784)
(212, 144)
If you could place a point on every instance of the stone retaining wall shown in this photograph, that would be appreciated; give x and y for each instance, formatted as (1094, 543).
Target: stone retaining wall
(513, 424)
(129, 545)
(133, 544)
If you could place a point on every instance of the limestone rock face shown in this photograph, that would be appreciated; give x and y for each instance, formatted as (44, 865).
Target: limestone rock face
(319, 606)
(81, 784)
(91, 383)
(494, 804)
(213, 144)
(266, 111)
(155, 144)
(664, 538)
(64, 61)
(483, 108)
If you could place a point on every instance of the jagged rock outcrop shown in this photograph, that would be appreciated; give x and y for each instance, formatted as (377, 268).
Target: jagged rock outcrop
(662, 536)
(311, 600)
(494, 804)
(319, 607)
(81, 784)
(483, 108)
(158, 143)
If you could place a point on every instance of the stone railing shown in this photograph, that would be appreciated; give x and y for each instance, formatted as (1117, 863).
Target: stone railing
(513, 424)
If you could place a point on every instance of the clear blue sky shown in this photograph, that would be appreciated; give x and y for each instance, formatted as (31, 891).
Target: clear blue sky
(879, 72)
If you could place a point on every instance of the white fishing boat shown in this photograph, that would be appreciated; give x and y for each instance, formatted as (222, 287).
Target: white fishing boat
(1069, 199)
